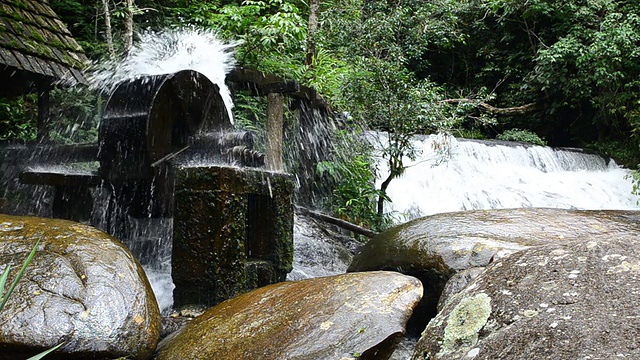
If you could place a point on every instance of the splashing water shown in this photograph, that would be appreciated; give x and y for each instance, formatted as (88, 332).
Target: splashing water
(170, 51)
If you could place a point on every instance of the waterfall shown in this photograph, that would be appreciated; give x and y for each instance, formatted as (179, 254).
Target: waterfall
(458, 174)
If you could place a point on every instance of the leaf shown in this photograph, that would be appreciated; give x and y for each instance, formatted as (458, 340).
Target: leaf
(3, 280)
(45, 353)
(24, 267)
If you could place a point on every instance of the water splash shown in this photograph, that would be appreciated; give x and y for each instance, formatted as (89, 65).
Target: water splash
(170, 51)
(456, 174)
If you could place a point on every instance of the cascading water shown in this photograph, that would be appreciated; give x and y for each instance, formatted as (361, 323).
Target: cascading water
(459, 174)
(456, 174)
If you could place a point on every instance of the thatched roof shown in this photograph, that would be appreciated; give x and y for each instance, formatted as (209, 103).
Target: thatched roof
(33, 40)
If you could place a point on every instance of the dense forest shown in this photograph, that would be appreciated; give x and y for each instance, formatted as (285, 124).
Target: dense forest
(562, 73)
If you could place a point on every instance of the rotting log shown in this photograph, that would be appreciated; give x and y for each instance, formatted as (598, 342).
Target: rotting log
(338, 222)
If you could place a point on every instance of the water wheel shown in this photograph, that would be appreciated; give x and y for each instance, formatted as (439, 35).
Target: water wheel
(149, 118)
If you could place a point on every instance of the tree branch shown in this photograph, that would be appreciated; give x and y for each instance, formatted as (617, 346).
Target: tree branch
(338, 222)
(509, 111)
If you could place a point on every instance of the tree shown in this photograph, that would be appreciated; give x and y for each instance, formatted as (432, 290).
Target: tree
(379, 38)
(107, 29)
(128, 26)
(314, 6)
(577, 61)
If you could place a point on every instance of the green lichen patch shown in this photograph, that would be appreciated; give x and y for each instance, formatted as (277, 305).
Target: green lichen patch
(465, 321)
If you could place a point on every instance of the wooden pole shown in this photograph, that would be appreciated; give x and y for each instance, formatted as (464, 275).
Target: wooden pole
(273, 156)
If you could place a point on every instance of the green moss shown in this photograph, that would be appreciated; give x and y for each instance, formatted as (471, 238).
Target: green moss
(211, 234)
(465, 321)
(36, 35)
(57, 44)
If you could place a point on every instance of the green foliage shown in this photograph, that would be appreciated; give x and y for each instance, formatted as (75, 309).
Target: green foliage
(624, 152)
(18, 119)
(249, 114)
(391, 64)
(521, 135)
(74, 115)
(273, 32)
(327, 74)
(355, 194)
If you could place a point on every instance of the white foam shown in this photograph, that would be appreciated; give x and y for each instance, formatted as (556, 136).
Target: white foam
(170, 51)
(470, 175)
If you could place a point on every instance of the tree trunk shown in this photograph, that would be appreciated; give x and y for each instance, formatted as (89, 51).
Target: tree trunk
(383, 189)
(107, 29)
(314, 6)
(128, 27)
(396, 168)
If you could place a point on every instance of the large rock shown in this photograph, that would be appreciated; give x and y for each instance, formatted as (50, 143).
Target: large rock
(575, 300)
(435, 247)
(350, 315)
(83, 288)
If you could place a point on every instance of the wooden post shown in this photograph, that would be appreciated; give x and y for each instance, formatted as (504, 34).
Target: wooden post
(273, 156)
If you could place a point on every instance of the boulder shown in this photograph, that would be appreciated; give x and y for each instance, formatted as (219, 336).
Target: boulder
(435, 247)
(351, 315)
(83, 288)
(458, 282)
(573, 300)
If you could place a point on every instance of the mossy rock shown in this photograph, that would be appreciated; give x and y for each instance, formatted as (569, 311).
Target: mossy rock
(574, 300)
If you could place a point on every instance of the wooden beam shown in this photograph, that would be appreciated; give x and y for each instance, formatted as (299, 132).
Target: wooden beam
(261, 84)
(338, 222)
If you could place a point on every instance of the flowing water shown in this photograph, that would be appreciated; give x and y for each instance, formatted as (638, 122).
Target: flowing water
(456, 174)
(450, 175)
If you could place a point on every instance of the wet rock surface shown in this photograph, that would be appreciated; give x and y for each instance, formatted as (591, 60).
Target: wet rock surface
(460, 240)
(82, 288)
(352, 315)
(435, 247)
(458, 282)
(320, 249)
(572, 300)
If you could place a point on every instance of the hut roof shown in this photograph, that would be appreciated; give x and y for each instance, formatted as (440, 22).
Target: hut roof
(34, 40)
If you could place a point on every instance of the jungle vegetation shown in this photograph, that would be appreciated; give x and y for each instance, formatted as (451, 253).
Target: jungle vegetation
(565, 73)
